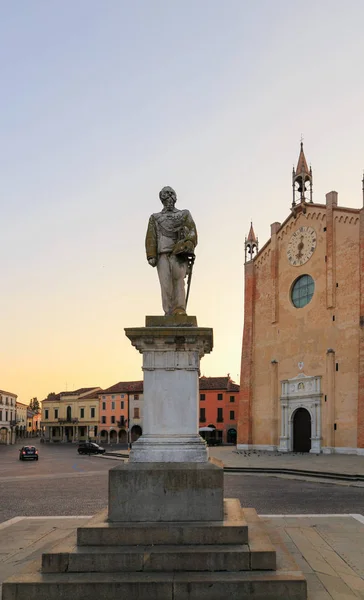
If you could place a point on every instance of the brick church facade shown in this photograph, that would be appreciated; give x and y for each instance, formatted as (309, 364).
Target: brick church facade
(302, 367)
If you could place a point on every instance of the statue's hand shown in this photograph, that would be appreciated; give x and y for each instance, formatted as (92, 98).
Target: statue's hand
(152, 262)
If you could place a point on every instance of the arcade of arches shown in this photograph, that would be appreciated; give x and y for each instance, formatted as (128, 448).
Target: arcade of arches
(120, 437)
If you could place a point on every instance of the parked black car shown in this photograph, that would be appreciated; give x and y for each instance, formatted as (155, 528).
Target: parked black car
(28, 452)
(90, 448)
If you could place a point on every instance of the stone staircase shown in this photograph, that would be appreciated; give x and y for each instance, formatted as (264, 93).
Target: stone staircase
(232, 558)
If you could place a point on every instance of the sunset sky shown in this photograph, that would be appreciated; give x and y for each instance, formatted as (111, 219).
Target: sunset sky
(102, 104)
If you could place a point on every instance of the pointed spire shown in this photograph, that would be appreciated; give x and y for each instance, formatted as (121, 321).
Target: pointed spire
(300, 178)
(302, 163)
(251, 244)
(251, 235)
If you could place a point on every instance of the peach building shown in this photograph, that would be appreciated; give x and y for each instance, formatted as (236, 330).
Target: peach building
(121, 412)
(219, 408)
(302, 367)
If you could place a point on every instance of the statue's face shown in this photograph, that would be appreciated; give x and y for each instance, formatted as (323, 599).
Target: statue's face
(168, 198)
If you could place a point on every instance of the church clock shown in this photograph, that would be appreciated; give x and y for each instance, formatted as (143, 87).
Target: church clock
(301, 246)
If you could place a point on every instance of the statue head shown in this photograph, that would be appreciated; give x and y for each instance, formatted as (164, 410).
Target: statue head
(168, 197)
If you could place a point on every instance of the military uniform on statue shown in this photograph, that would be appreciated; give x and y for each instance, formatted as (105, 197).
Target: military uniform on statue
(170, 243)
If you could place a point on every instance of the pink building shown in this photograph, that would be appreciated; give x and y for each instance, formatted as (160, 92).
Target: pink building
(117, 424)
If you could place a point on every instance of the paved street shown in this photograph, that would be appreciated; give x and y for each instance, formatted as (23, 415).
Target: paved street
(64, 483)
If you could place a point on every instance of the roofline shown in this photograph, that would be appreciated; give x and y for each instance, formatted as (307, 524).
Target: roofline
(313, 204)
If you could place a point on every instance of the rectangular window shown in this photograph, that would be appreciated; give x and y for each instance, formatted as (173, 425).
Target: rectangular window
(112, 405)
(56, 413)
(232, 415)
(136, 396)
(122, 421)
(1, 415)
(122, 404)
(112, 418)
(220, 417)
(30, 424)
(45, 413)
(136, 413)
(6, 416)
(103, 420)
(219, 396)
(82, 413)
(202, 415)
(232, 398)
(112, 397)
(104, 406)
(202, 397)
(92, 413)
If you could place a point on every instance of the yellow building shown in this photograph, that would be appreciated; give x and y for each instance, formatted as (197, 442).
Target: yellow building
(71, 416)
(302, 369)
(7, 417)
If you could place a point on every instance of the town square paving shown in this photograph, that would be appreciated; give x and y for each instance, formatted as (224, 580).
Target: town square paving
(62, 484)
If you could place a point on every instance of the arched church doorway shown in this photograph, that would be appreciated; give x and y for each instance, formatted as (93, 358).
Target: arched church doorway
(301, 430)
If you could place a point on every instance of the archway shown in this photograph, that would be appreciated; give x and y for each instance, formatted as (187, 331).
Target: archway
(136, 432)
(301, 430)
(104, 436)
(231, 436)
(113, 436)
(122, 436)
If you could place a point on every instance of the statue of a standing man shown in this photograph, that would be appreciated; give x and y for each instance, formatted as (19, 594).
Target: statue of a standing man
(170, 243)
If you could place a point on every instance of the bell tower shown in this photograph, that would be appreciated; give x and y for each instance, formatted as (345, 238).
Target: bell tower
(300, 178)
(251, 245)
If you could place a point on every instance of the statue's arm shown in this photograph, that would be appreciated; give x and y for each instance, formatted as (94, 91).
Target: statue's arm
(151, 241)
(191, 231)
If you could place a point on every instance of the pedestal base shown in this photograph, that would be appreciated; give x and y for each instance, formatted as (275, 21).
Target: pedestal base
(140, 492)
(174, 448)
(233, 558)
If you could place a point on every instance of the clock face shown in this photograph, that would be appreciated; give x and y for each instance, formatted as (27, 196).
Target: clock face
(301, 246)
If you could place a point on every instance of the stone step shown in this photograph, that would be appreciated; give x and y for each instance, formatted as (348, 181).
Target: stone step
(111, 559)
(258, 554)
(232, 530)
(244, 585)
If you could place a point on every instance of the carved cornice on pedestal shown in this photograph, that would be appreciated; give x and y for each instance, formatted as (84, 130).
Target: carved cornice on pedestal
(171, 339)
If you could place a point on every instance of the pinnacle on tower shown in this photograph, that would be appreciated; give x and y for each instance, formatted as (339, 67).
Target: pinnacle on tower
(251, 244)
(300, 177)
(251, 234)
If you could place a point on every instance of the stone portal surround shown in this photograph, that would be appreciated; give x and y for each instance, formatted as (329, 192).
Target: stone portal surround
(302, 391)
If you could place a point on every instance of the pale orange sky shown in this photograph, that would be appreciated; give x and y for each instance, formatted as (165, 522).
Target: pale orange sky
(101, 108)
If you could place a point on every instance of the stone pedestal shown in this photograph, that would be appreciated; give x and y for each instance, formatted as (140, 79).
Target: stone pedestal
(168, 533)
(172, 348)
(173, 492)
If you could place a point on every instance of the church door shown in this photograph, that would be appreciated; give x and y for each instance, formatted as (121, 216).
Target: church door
(301, 431)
